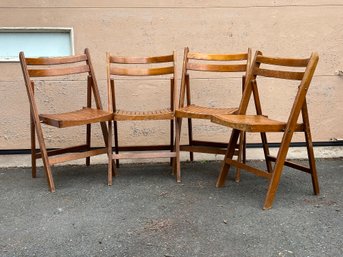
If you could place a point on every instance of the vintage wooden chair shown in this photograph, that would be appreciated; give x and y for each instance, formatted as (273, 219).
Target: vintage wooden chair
(43, 68)
(149, 67)
(215, 63)
(262, 124)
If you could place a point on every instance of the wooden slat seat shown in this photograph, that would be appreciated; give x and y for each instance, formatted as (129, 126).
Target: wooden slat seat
(201, 112)
(252, 123)
(164, 114)
(76, 118)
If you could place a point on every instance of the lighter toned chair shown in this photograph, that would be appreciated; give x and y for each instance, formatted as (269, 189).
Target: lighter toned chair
(209, 63)
(42, 69)
(259, 123)
(161, 67)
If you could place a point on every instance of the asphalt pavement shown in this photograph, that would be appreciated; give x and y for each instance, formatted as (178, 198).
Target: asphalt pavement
(146, 213)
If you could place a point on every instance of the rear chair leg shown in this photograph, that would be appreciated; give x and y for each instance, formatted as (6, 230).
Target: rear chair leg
(190, 138)
(88, 142)
(176, 162)
(172, 148)
(116, 145)
(241, 154)
(111, 167)
(309, 146)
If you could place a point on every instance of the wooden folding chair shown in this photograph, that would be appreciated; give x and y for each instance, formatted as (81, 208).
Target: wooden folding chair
(41, 69)
(262, 124)
(150, 67)
(204, 63)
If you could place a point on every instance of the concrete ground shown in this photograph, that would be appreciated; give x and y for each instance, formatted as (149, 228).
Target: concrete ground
(146, 213)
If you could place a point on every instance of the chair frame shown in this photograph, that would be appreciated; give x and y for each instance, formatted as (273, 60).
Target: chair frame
(52, 157)
(185, 96)
(156, 151)
(260, 123)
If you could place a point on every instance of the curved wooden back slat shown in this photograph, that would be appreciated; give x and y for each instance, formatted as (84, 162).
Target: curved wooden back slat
(218, 57)
(141, 72)
(282, 61)
(56, 60)
(216, 68)
(292, 75)
(58, 71)
(141, 60)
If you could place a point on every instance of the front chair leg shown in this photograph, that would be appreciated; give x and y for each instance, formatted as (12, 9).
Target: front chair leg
(33, 148)
(276, 175)
(229, 154)
(45, 157)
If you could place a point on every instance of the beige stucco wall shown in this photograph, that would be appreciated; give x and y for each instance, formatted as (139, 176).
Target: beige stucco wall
(278, 28)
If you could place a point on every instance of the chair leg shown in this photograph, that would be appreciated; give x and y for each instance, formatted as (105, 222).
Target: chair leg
(110, 155)
(176, 163)
(33, 148)
(312, 163)
(277, 172)
(45, 157)
(190, 138)
(88, 142)
(266, 151)
(171, 140)
(116, 146)
(309, 146)
(241, 157)
(228, 155)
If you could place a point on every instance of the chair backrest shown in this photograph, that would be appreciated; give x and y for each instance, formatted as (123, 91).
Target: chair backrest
(203, 62)
(143, 66)
(298, 70)
(45, 67)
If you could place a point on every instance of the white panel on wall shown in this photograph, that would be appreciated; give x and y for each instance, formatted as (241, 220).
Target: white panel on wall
(35, 42)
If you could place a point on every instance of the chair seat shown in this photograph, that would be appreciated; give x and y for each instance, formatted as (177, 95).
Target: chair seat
(76, 118)
(201, 112)
(164, 114)
(252, 123)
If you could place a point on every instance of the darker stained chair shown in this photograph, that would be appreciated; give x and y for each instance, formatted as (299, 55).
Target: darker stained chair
(43, 68)
(209, 63)
(261, 67)
(158, 67)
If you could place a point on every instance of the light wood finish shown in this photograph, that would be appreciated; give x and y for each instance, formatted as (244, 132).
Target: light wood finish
(141, 72)
(262, 124)
(239, 62)
(164, 114)
(252, 123)
(56, 60)
(48, 67)
(216, 68)
(201, 112)
(118, 67)
(58, 71)
(141, 60)
(76, 118)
